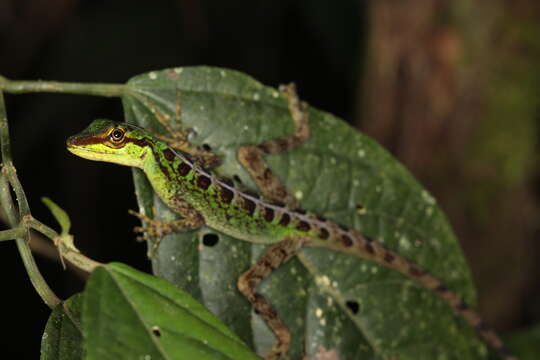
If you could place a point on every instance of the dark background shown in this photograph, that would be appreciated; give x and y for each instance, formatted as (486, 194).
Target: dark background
(449, 87)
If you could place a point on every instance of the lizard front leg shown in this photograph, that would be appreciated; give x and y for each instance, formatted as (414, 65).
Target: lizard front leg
(178, 137)
(155, 229)
(275, 256)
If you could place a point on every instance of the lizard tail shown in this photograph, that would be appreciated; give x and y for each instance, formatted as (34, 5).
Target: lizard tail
(366, 248)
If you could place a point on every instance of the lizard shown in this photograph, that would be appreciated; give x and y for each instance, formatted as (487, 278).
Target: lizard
(202, 198)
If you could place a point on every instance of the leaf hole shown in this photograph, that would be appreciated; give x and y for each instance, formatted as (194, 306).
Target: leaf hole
(210, 239)
(156, 331)
(237, 179)
(353, 306)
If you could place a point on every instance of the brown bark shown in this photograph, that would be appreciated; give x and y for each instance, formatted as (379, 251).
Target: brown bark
(428, 97)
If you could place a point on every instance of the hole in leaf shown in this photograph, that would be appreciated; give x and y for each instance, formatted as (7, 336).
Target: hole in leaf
(210, 239)
(156, 331)
(236, 178)
(353, 306)
(206, 147)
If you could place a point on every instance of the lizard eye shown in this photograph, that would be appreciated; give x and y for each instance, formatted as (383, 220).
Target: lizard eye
(117, 135)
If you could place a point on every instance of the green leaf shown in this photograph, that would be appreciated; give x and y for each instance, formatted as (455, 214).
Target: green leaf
(340, 174)
(62, 338)
(59, 214)
(131, 315)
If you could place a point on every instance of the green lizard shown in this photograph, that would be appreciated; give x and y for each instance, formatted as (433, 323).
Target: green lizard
(204, 199)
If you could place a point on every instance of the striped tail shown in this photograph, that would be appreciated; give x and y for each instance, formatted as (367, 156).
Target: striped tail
(366, 248)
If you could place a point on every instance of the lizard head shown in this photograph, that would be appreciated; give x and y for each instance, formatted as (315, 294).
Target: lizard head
(106, 140)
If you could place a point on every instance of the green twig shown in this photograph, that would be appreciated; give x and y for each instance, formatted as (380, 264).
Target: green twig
(12, 234)
(39, 226)
(8, 174)
(65, 246)
(20, 87)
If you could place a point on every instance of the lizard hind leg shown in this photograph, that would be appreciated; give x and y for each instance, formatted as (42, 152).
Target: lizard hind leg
(275, 256)
(250, 156)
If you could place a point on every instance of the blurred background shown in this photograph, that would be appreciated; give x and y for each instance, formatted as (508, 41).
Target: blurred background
(450, 87)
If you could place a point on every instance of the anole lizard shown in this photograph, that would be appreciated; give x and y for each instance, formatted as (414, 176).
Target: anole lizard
(204, 199)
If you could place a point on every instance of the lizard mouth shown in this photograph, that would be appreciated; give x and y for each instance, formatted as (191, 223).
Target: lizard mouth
(79, 147)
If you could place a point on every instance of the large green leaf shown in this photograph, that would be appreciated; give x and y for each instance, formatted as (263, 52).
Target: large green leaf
(131, 315)
(62, 338)
(334, 173)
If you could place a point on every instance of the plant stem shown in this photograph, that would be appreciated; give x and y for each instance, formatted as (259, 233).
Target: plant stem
(8, 172)
(12, 234)
(22, 86)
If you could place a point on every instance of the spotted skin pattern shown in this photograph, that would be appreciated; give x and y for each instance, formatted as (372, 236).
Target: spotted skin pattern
(202, 198)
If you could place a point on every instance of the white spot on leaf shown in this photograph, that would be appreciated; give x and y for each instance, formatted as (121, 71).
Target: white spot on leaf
(404, 243)
(428, 198)
(152, 75)
(322, 280)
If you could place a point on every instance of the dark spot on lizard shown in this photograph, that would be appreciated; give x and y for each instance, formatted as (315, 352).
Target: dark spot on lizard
(389, 257)
(303, 226)
(268, 264)
(249, 205)
(300, 211)
(368, 238)
(324, 234)
(369, 248)
(282, 144)
(169, 155)
(210, 239)
(184, 168)
(278, 203)
(203, 181)
(227, 194)
(165, 170)
(264, 148)
(321, 218)
(285, 219)
(346, 240)
(353, 306)
(268, 214)
(267, 174)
